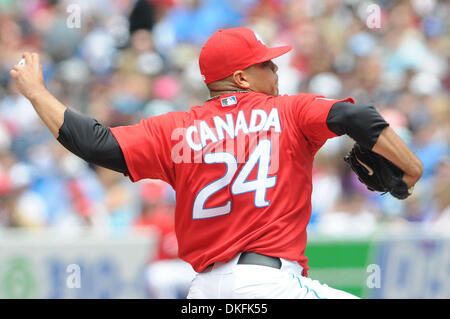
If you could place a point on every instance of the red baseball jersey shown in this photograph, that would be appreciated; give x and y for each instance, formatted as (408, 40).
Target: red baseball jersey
(241, 166)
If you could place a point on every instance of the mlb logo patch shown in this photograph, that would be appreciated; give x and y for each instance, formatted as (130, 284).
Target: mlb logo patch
(228, 101)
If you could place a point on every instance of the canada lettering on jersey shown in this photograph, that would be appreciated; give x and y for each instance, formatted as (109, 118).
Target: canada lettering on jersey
(231, 127)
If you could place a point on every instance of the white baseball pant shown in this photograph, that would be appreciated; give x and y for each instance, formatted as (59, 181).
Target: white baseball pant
(241, 281)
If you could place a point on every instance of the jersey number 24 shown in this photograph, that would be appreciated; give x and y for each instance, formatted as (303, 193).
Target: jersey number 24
(240, 185)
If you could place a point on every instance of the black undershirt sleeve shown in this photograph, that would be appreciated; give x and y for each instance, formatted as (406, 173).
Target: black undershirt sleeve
(95, 143)
(361, 122)
(91, 141)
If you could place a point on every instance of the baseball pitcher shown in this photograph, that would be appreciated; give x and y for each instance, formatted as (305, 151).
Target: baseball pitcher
(241, 165)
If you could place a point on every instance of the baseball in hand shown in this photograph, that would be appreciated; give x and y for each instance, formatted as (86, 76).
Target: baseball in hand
(27, 75)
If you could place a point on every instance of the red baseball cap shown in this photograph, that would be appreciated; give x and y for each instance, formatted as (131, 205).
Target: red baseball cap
(229, 50)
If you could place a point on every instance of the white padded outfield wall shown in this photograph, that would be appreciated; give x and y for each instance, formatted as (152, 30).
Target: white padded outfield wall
(85, 264)
(44, 264)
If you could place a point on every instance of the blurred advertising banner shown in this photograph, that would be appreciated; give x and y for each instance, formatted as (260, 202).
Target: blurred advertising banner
(383, 266)
(414, 268)
(340, 263)
(48, 264)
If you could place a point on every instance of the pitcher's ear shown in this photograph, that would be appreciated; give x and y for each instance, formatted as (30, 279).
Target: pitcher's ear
(240, 78)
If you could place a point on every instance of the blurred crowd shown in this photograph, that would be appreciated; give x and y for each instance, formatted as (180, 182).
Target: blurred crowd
(121, 60)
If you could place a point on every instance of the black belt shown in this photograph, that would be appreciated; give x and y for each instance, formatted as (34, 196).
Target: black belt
(251, 258)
